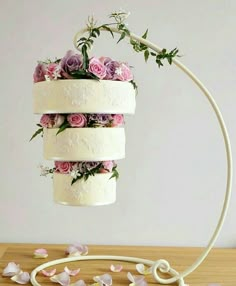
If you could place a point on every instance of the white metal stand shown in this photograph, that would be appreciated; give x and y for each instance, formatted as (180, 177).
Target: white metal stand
(162, 265)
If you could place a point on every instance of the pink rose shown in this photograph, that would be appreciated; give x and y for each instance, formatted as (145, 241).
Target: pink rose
(53, 71)
(108, 165)
(63, 167)
(77, 120)
(123, 73)
(58, 120)
(97, 68)
(39, 73)
(117, 120)
(47, 120)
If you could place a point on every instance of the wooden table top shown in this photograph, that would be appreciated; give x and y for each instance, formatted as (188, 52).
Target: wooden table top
(219, 269)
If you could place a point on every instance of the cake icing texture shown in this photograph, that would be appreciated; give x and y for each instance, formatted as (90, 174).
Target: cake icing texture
(84, 144)
(84, 96)
(99, 189)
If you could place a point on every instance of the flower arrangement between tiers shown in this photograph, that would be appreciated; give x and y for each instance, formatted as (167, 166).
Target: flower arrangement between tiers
(84, 169)
(78, 120)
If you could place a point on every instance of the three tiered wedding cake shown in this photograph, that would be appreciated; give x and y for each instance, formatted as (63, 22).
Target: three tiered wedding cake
(82, 125)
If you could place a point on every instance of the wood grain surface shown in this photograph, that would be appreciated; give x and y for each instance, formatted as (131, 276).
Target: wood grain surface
(219, 269)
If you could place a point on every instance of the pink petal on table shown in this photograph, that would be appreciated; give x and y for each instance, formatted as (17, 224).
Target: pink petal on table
(21, 278)
(77, 249)
(116, 268)
(70, 249)
(103, 280)
(80, 283)
(63, 279)
(142, 269)
(11, 269)
(136, 280)
(71, 272)
(83, 249)
(49, 273)
(40, 253)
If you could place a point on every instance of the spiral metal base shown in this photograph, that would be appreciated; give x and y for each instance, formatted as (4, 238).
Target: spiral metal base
(159, 266)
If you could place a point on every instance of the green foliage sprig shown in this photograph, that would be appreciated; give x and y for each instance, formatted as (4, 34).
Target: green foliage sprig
(119, 18)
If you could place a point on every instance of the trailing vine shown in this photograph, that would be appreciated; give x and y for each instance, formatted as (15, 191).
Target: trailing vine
(85, 43)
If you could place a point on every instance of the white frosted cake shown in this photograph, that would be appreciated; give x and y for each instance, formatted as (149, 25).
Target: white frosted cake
(84, 96)
(82, 106)
(99, 189)
(84, 144)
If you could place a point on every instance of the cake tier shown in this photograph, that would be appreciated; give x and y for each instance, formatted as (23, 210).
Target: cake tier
(99, 189)
(84, 144)
(84, 96)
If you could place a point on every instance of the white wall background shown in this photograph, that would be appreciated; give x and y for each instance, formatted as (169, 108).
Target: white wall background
(173, 179)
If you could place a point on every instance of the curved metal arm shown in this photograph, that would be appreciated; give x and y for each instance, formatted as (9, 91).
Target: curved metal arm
(227, 148)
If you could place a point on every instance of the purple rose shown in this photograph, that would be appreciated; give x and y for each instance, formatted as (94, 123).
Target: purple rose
(111, 67)
(39, 73)
(97, 68)
(91, 165)
(70, 63)
(99, 119)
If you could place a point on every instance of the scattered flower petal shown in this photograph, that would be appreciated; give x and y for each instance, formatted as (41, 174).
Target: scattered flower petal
(62, 278)
(142, 269)
(76, 249)
(21, 278)
(136, 280)
(49, 273)
(40, 253)
(80, 283)
(103, 280)
(11, 269)
(116, 268)
(71, 272)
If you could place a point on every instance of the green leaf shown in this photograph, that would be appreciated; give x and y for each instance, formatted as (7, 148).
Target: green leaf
(63, 127)
(39, 125)
(83, 74)
(134, 85)
(76, 179)
(153, 54)
(85, 57)
(144, 36)
(163, 51)
(121, 37)
(169, 59)
(115, 174)
(146, 55)
(40, 130)
(108, 29)
(86, 176)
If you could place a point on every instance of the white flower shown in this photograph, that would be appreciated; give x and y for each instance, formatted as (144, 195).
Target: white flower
(118, 71)
(44, 171)
(75, 173)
